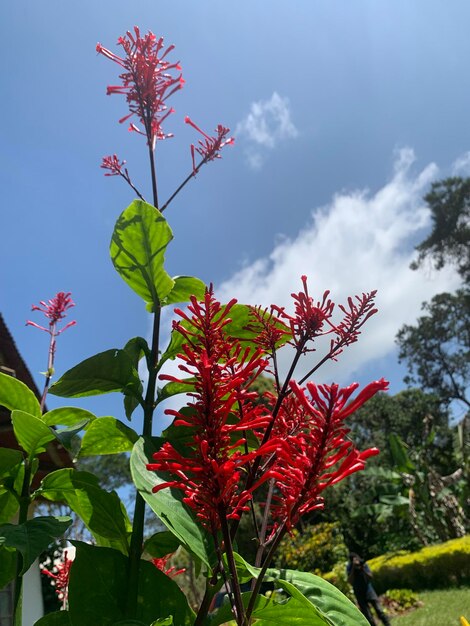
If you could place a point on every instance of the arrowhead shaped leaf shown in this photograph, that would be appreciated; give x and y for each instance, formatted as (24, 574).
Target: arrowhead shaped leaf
(16, 395)
(107, 435)
(184, 287)
(31, 432)
(137, 249)
(67, 416)
(33, 537)
(102, 373)
(102, 512)
(95, 597)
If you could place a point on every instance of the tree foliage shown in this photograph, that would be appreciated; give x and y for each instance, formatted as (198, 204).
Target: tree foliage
(437, 348)
(449, 241)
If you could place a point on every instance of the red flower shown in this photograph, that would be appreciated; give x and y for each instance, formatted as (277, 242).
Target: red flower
(147, 81)
(161, 564)
(309, 318)
(60, 577)
(316, 452)
(54, 310)
(209, 148)
(113, 165)
(213, 466)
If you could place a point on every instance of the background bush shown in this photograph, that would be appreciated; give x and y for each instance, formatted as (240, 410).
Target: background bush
(439, 566)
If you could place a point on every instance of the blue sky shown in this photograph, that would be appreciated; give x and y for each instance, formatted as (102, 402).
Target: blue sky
(343, 112)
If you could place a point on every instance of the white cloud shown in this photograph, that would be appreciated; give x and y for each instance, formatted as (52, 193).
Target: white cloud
(461, 166)
(360, 242)
(267, 123)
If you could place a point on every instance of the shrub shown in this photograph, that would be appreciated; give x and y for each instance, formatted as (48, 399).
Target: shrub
(318, 548)
(400, 600)
(439, 566)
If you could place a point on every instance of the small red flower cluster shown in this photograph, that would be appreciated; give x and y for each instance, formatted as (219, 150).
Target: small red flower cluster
(54, 310)
(161, 563)
(210, 148)
(147, 81)
(302, 442)
(113, 165)
(60, 577)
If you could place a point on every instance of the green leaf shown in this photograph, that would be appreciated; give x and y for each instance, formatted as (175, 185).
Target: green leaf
(174, 347)
(98, 590)
(163, 621)
(16, 395)
(7, 565)
(67, 416)
(168, 506)
(174, 388)
(31, 432)
(243, 326)
(130, 405)
(33, 537)
(400, 456)
(68, 436)
(161, 544)
(9, 458)
(136, 348)
(107, 435)
(9, 505)
(59, 618)
(102, 373)
(102, 512)
(137, 250)
(184, 287)
(330, 604)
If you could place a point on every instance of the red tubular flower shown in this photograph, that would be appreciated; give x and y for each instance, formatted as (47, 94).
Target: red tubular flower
(316, 453)
(210, 471)
(209, 148)
(147, 81)
(60, 577)
(54, 310)
(309, 318)
(113, 165)
(162, 562)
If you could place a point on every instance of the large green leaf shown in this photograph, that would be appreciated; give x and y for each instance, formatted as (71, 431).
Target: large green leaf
(7, 565)
(98, 590)
(9, 459)
(107, 435)
(16, 395)
(31, 432)
(67, 416)
(105, 372)
(33, 537)
(137, 250)
(330, 604)
(184, 287)
(161, 544)
(59, 618)
(168, 506)
(101, 511)
(174, 388)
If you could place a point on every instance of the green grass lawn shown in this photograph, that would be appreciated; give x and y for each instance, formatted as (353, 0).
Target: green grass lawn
(441, 608)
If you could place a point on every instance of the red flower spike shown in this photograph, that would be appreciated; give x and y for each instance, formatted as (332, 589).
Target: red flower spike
(55, 311)
(211, 471)
(355, 315)
(147, 81)
(209, 148)
(316, 453)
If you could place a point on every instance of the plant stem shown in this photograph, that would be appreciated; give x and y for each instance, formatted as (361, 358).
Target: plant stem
(22, 518)
(185, 181)
(235, 583)
(138, 522)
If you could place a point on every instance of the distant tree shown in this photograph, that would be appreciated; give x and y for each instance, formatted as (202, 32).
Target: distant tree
(449, 241)
(437, 348)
